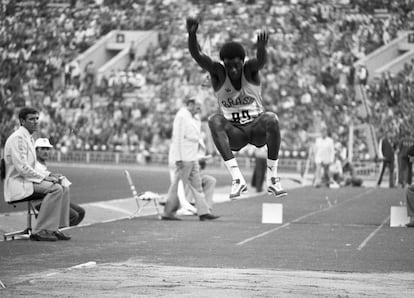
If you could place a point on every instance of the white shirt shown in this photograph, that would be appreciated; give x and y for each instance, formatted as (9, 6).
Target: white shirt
(186, 136)
(324, 150)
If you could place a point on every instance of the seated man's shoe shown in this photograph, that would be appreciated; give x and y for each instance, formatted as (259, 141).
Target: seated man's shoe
(208, 216)
(237, 188)
(410, 225)
(43, 236)
(164, 217)
(275, 188)
(60, 236)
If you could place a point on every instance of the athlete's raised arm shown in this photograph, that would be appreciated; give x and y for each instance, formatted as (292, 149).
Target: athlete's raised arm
(202, 59)
(254, 65)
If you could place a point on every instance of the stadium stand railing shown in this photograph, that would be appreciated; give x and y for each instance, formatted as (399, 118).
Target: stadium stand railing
(368, 169)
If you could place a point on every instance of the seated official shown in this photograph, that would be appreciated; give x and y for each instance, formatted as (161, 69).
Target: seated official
(22, 180)
(43, 147)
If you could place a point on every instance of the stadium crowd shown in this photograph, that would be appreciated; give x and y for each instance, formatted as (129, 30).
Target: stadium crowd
(308, 81)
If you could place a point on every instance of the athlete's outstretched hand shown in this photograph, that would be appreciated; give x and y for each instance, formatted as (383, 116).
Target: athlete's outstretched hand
(262, 38)
(192, 25)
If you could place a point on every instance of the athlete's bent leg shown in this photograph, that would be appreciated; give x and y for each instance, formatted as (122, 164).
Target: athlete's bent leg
(226, 137)
(271, 123)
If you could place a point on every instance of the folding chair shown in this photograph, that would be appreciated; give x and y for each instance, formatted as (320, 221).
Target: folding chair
(30, 211)
(147, 197)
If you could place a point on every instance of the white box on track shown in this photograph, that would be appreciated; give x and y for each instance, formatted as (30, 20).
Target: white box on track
(272, 213)
(399, 217)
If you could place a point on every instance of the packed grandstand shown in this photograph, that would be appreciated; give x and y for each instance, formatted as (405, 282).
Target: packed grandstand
(309, 79)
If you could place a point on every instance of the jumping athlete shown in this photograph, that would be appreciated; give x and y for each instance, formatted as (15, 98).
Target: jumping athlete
(241, 119)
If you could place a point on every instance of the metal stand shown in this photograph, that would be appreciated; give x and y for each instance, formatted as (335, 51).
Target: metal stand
(31, 211)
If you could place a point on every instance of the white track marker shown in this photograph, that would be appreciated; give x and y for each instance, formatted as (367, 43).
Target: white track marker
(104, 205)
(370, 236)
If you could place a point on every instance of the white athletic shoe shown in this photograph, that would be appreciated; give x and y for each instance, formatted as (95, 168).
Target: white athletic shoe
(275, 188)
(237, 188)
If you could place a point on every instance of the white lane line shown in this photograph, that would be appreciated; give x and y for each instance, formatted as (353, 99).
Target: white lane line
(370, 236)
(302, 217)
(110, 207)
(282, 226)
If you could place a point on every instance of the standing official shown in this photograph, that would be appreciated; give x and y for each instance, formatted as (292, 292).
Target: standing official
(405, 166)
(410, 191)
(324, 157)
(183, 153)
(386, 154)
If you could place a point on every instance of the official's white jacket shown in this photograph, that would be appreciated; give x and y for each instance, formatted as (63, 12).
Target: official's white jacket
(185, 137)
(20, 160)
(324, 150)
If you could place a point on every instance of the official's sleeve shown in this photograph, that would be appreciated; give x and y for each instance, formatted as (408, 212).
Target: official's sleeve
(332, 151)
(380, 155)
(179, 127)
(19, 149)
(41, 169)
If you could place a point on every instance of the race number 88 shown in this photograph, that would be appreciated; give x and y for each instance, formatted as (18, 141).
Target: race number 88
(241, 117)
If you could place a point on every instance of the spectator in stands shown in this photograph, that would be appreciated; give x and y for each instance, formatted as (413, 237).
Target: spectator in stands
(22, 180)
(43, 147)
(362, 75)
(89, 78)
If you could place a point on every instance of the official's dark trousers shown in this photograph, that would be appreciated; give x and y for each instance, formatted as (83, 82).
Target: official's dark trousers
(259, 173)
(405, 171)
(390, 165)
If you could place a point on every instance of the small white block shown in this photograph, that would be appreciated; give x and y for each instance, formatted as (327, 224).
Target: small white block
(272, 213)
(399, 217)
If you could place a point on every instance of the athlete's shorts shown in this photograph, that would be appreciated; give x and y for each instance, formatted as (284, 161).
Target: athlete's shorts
(248, 130)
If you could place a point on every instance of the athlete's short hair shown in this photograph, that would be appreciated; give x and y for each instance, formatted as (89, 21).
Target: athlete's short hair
(231, 50)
